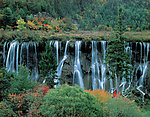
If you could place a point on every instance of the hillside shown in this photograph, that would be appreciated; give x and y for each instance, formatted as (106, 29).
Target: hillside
(86, 14)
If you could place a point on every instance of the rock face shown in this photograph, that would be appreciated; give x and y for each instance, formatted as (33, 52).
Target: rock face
(82, 63)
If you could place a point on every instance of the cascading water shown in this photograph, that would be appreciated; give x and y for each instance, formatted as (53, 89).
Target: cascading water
(56, 47)
(77, 74)
(102, 64)
(34, 73)
(144, 67)
(4, 56)
(10, 62)
(27, 48)
(26, 54)
(60, 66)
(96, 83)
(15, 54)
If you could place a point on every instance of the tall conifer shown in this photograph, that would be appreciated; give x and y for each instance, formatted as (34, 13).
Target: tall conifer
(117, 60)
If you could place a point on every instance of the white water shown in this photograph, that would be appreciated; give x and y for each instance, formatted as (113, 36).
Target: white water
(4, 56)
(102, 64)
(77, 74)
(144, 66)
(10, 62)
(60, 66)
(56, 47)
(98, 69)
(34, 73)
(15, 54)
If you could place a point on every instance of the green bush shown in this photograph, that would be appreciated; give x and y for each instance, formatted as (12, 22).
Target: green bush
(21, 81)
(6, 110)
(121, 107)
(70, 101)
(5, 78)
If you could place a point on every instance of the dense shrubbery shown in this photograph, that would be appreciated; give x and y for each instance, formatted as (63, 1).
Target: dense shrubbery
(21, 81)
(5, 83)
(70, 101)
(6, 110)
(121, 107)
(15, 82)
(24, 98)
(116, 105)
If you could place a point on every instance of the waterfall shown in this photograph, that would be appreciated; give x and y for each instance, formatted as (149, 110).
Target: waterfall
(144, 67)
(56, 47)
(96, 83)
(4, 57)
(95, 76)
(22, 46)
(10, 62)
(60, 66)
(102, 64)
(14, 53)
(17, 57)
(77, 74)
(34, 73)
(27, 48)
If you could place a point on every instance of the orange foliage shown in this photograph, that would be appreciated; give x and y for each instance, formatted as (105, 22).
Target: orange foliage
(58, 29)
(101, 95)
(31, 25)
(42, 19)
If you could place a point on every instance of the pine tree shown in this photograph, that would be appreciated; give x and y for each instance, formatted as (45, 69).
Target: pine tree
(48, 66)
(22, 14)
(117, 60)
(7, 16)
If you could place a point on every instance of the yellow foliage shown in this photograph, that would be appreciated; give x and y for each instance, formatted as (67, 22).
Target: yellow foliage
(21, 24)
(31, 25)
(128, 29)
(101, 95)
(21, 21)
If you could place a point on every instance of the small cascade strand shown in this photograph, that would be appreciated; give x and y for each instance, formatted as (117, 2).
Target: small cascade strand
(27, 48)
(77, 66)
(103, 66)
(96, 83)
(17, 57)
(4, 56)
(56, 47)
(60, 66)
(36, 64)
(22, 46)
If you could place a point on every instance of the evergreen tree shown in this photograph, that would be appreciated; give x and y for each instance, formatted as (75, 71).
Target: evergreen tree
(48, 66)
(117, 60)
(22, 14)
(31, 17)
(7, 16)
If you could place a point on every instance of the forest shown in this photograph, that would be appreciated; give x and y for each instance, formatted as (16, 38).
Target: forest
(74, 58)
(86, 14)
